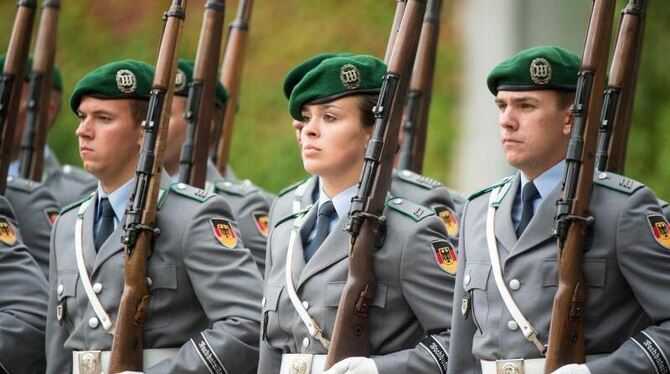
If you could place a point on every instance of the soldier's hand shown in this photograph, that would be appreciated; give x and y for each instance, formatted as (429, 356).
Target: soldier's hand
(354, 365)
(573, 369)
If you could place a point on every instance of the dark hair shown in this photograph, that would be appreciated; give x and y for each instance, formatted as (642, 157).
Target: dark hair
(138, 110)
(565, 98)
(365, 105)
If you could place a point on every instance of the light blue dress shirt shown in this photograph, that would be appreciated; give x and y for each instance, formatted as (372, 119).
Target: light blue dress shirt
(545, 183)
(341, 203)
(118, 199)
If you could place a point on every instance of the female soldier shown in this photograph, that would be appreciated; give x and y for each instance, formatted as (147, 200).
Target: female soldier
(307, 258)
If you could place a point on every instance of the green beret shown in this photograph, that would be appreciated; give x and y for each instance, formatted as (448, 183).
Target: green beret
(184, 79)
(334, 78)
(56, 79)
(126, 79)
(537, 68)
(296, 74)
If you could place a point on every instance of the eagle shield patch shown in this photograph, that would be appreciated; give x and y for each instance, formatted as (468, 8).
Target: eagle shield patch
(449, 218)
(262, 223)
(7, 233)
(224, 232)
(445, 256)
(659, 229)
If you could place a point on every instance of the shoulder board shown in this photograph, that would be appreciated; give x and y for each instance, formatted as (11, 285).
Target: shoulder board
(617, 182)
(409, 208)
(191, 192)
(417, 179)
(76, 172)
(234, 188)
(76, 204)
(662, 203)
(291, 187)
(293, 215)
(20, 184)
(162, 193)
(490, 188)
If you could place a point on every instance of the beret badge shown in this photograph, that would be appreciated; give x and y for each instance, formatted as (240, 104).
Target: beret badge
(540, 71)
(180, 80)
(126, 81)
(350, 76)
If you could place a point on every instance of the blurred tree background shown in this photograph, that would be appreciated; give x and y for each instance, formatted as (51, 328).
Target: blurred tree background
(285, 32)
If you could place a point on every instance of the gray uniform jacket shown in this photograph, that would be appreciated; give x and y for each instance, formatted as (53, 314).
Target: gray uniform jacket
(36, 210)
(205, 297)
(625, 267)
(418, 188)
(67, 183)
(23, 302)
(411, 311)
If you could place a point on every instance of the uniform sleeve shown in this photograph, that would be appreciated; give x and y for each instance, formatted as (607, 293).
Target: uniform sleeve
(428, 290)
(269, 358)
(645, 264)
(36, 214)
(228, 286)
(253, 217)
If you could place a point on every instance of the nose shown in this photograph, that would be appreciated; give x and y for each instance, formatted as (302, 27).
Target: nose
(507, 118)
(310, 128)
(84, 129)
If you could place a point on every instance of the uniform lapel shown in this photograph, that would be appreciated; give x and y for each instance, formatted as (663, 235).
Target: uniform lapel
(307, 197)
(88, 243)
(503, 225)
(541, 227)
(298, 260)
(334, 249)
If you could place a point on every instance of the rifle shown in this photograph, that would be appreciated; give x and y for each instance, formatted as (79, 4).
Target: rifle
(350, 333)
(615, 120)
(231, 76)
(566, 332)
(11, 83)
(200, 101)
(417, 103)
(31, 159)
(397, 19)
(140, 227)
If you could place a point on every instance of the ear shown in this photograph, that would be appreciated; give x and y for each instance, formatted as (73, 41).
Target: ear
(567, 121)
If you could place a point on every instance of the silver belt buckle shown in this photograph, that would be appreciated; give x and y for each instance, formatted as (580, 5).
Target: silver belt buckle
(300, 364)
(89, 362)
(510, 366)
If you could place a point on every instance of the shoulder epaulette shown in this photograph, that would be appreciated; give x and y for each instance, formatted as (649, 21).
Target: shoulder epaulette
(617, 182)
(293, 215)
(162, 193)
(490, 188)
(20, 184)
(75, 204)
(234, 188)
(77, 173)
(663, 203)
(191, 192)
(291, 187)
(418, 179)
(409, 208)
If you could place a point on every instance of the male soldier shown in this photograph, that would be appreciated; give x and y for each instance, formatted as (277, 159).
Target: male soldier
(418, 188)
(627, 257)
(204, 287)
(249, 206)
(22, 301)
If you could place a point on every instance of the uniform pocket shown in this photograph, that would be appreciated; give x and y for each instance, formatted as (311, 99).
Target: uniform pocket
(66, 290)
(475, 283)
(270, 304)
(594, 270)
(334, 292)
(162, 282)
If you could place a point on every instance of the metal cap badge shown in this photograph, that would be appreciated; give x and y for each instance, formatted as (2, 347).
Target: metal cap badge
(350, 76)
(540, 71)
(180, 80)
(126, 81)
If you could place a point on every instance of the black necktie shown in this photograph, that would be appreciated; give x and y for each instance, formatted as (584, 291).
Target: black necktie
(105, 223)
(528, 196)
(323, 219)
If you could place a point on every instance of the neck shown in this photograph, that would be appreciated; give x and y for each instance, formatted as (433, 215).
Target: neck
(333, 186)
(112, 183)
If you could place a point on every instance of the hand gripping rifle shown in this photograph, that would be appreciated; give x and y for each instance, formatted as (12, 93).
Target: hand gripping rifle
(36, 127)
(231, 77)
(615, 120)
(566, 332)
(140, 227)
(201, 93)
(11, 82)
(417, 103)
(351, 336)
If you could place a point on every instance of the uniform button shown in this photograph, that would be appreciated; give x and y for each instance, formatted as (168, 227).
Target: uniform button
(397, 201)
(466, 279)
(305, 305)
(60, 289)
(149, 282)
(514, 284)
(67, 169)
(305, 343)
(93, 322)
(97, 288)
(181, 186)
(227, 184)
(512, 325)
(602, 176)
(406, 173)
(263, 302)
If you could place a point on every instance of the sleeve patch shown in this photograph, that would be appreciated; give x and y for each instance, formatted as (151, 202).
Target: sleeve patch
(449, 218)
(262, 222)
(224, 232)
(659, 229)
(207, 355)
(653, 352)
(7, 233)
(51, 216)
(436, 351)
(445, 255)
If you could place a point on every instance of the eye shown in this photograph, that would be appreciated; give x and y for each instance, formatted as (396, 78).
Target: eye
(501, 106)
(526, 106)
(305, 119)
(105, 119)
(81, 117)
(329, 117)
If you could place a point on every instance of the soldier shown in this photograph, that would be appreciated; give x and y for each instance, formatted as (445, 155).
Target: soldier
(23, 301)
(418, 188)
(409, 318)
(204, 287)
(250, 207)
(627, 257)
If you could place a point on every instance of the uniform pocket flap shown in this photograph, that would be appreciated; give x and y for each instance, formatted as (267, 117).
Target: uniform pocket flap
(594, 270)
(162, 276)
(271, 299)
(334, 292)
(476, 276)
(67, 285)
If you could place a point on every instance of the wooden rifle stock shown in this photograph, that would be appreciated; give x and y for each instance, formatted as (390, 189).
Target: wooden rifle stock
(417, 103)
(566, 333)
(620, 93)
(127, 346)
(36, 127)
(397, 19)
(201, 94)
(231, 77)
(11, 84)
(351, 336)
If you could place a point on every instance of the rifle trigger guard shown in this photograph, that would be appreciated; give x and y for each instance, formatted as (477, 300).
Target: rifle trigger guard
(588, 221)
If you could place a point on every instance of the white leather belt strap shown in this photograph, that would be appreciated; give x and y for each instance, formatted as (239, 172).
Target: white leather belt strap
(97, 362)
(302, 364)
(527, 329)
(521, 366)
(83, 273)
(312, 327)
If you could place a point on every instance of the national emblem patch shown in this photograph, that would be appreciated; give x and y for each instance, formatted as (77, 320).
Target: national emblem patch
(659, 229)
(224, 232)
(7, 233)
(51, 215)
(262, 222)
(445, 256)
(449, 219)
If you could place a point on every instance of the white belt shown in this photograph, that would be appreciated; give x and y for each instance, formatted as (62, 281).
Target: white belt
(520, 366)
(292, 363)
(97, 362)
